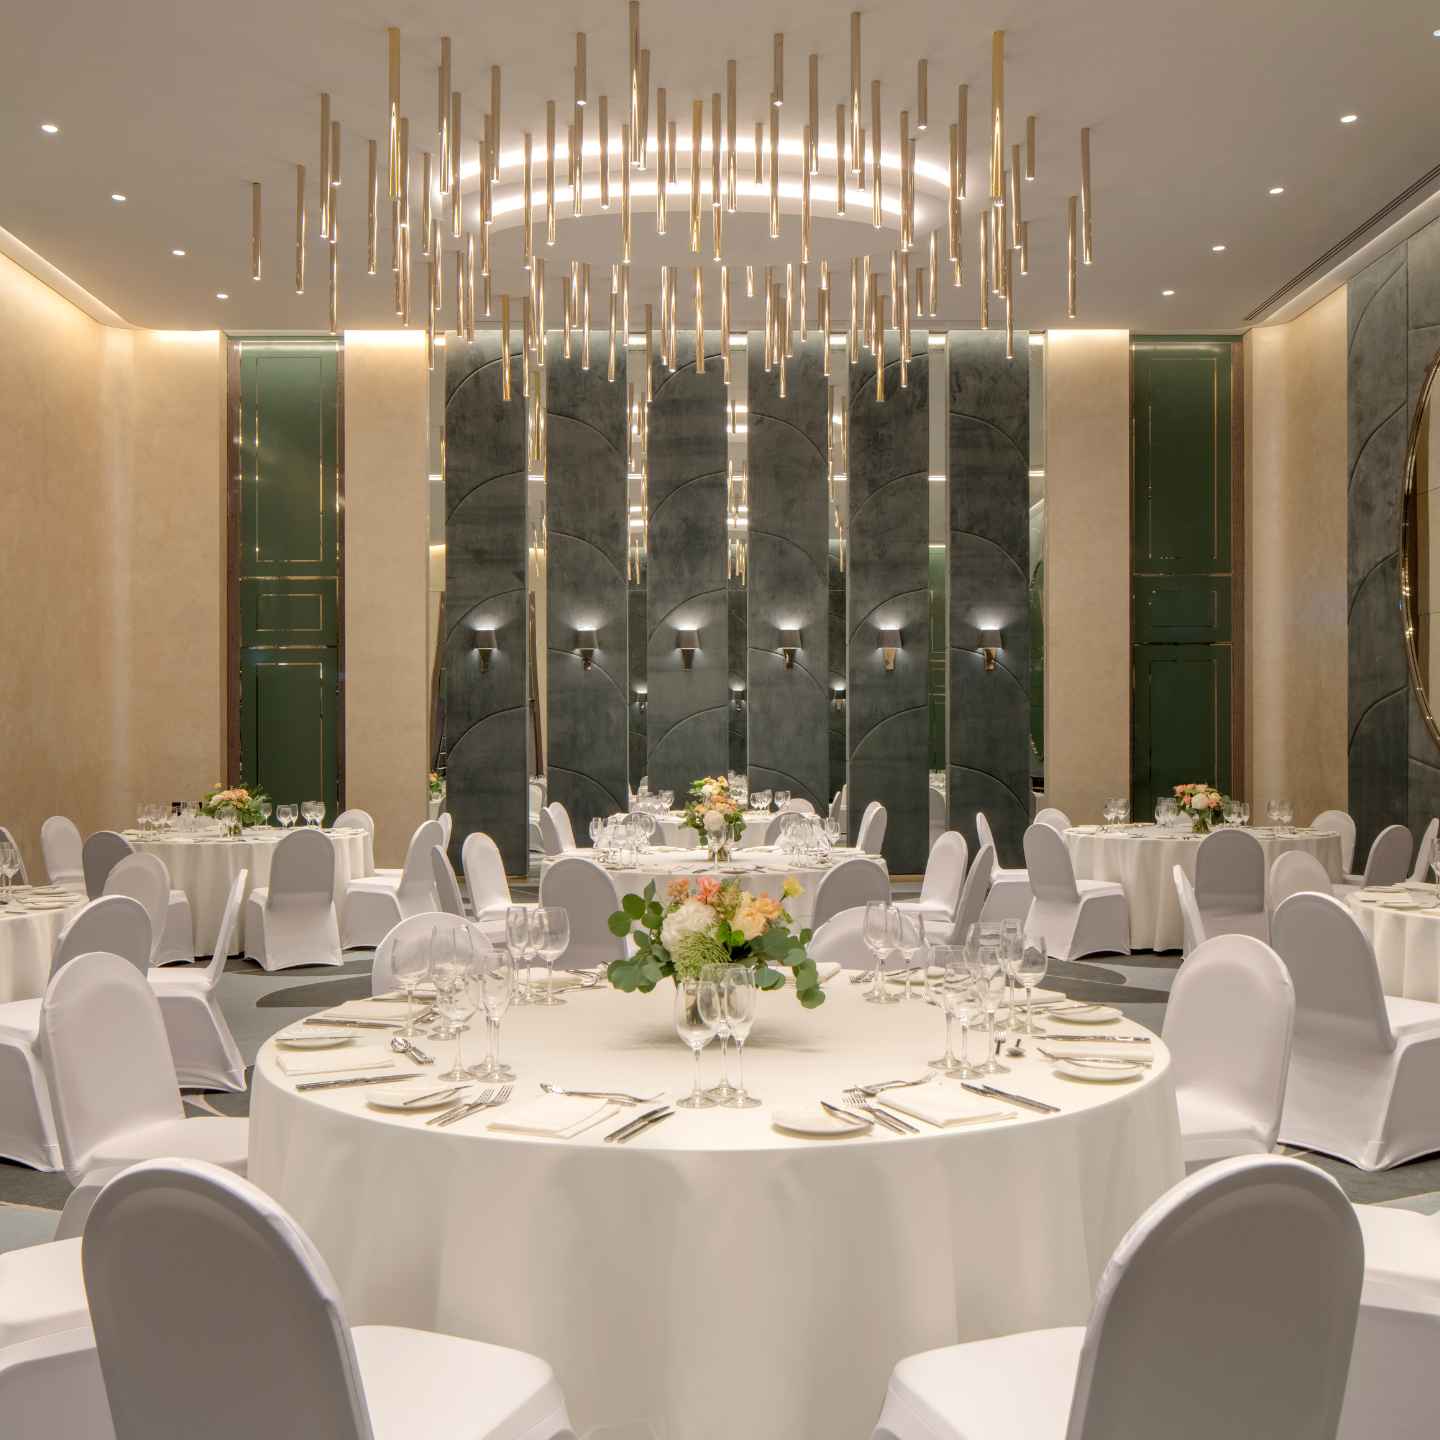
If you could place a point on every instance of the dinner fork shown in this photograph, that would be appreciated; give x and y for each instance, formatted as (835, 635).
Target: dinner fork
(873, 1090)
(861, 1102)
(487, 1100)
(620, 1097)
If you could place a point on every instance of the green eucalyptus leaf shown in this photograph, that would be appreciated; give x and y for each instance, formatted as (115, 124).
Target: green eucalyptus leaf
(768, 979)
(619, 923)
(633, 906)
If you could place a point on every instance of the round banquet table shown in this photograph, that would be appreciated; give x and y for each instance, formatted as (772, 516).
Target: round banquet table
(760, 870)
(205, 867)
(1142, 859)
(1406, 940)
(715, 1278)
(29, 927)
(675, 833)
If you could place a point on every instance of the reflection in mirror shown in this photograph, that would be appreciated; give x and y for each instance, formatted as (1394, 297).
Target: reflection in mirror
(839, 459)
(635, 521)
(737, 548)
(938, 571)
(1420, 550)
(1037, 563)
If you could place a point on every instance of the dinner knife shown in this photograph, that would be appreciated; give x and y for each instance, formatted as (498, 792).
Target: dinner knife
(357, 1024)
(1094, 1039)
(388, 1078)
(653, 1120)
(992, 1093)
(638, 1123)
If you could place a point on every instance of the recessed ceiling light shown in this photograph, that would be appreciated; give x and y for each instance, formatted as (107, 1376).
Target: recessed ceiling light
(1348, 119)
(1167, 292)
(50, 129)
(221, 295)
(180, 253)
(1277, 189)
(118, 198)
(1217, 248)
(1436, 34)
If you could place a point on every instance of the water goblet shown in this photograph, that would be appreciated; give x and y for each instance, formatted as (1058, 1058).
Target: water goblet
(410, 965)
(313, 811)
(958, 999)
(266, 809)
(740, 999)
(1285, 814)
(1030, 970)
(596, 827)
(517, 934)
(782, 798)
(1122, 809)
(692, 1026)
(497, 991)
(9, 866)
(550, 939)
(712, 1006)
(460, 999)
(286, 815)
(985, 964)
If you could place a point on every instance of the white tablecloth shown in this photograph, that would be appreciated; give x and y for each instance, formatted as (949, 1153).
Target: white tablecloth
(714, 1277)
(27, 942)
(1142, 860)
(205, 868)
(761, 870)
(1406, 944)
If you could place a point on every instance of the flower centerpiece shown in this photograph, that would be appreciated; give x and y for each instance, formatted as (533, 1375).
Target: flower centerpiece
(437, 785)
(712, 924)
(1203, 803)
(715, 815)
(245, 803)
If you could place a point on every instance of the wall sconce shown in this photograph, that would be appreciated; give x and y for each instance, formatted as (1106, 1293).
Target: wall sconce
(641, 700)
(889, 644)
(484, 645)
(687, 642)
(585, 647)
(990, 642)
(837, 697)
(737, 696)
(789, 644)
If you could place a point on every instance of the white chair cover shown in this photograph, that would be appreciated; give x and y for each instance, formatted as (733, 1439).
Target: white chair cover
(1388, 862)
(51, 1386)
(1008, 897)
(1294, 871)
(871, 836)
(564, 831)
(63, 850)
(22, 875)
(797, 805)
(549, 835)
(1190, 917)
(1364, 1069)
(446, 821)
(581, 887)
(1055, 819)
(855, 881)
(936, 801)
(188, 1267)
(973, 896)
(944, 879)
(102, 852)
(1425, 853)
(41, 1292)
(143, 878)
(841, 940)
(1341, 822)
(360, 820)
(1075, 917)
(1229, 1025)
(292, 920)
(116, 924)
(1230, 885)
(375, 904)
(446, 890)
(413, 930)
(485, 876)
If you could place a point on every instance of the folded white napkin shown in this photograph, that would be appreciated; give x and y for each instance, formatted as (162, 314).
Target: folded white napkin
(368, 1010)
(564, 979)
(334, 1062)
(826, 970)
(944, 1105)
(558, 1116)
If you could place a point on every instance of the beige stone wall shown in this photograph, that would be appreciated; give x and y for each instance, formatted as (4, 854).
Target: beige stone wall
(1296, 660)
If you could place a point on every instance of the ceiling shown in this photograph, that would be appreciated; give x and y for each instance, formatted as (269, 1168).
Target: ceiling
(1195, 109)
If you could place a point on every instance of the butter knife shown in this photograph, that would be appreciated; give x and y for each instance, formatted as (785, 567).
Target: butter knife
(654, 1120)
(840, 1114)
(990, 1092)
(388, 1078)
(638, 1123)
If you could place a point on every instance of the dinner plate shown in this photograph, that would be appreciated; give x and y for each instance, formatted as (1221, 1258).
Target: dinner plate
(813, 1120)
(394, 1097)
(316, 1040)
(1076, 1069)
(1092, 1015)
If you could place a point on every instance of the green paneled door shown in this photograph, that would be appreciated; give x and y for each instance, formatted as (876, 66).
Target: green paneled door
(1181, 546)
(287, 584)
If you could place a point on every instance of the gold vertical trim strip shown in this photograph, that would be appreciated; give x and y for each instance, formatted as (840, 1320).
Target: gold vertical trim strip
(649, 356)
(610, 358)
(878, 305)
(452, 180)
(812, 149)
(853, 330)
(505, 347)
(585, 316)
(626, 142)
(1032, 146)
(985, 268)
(425, 191)
(904, 127)
(604, 152)
(254, 229)
(549, 172)
(876, 183)
(392, 39)
(1024, 247)
(997, 115)
(537, 318)
(934, 273)
(494, 122)
(334, 248)
(860, 164)
(470, 285)
(804, 300)
(1086, 199)
(697, 132)
(840, 159)
(731, 173)
(372, 216)
(1014, 197)
(902, 314)
(299, 229)
(1009, 307)
(699, 320)
(759, 152)
(725, 323)
(1070, 207)
(326, 150)
(567, 295)
(824, 305)
(952, 197)
(717, 207)
(855, 145)
(662, 178)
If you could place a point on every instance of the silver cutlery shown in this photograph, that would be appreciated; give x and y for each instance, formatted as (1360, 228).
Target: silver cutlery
(991, 1093)
(891, 1122)
(355, 1024)
(490, 1100)
(1094, 1039)
(402, 1046)
(840, 1114)
(1099, 1062)
(620, 1097)
(643, 1125)
(388, 1078)
(455, 1110)
(639, 1122)
(872, 1090)
(432, 1096)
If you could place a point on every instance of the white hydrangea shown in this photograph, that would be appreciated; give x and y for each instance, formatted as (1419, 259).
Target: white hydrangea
(693, 917)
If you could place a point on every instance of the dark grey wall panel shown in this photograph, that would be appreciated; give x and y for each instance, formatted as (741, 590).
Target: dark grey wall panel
(687, 715)
(485, 716)
(789, 585)
(585, 511)
(989, 467)
(889, 589)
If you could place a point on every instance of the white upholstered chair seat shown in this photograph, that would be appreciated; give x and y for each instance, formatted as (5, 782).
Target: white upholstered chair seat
(1075, 917)
(376, 904)
(27, 1126)
(41, 1291)
(292, 921)
(1214, 1127)
(1008, 896)
(20, 1020)
(1412, 1017)
(222, 1140)
(1402, 1255)
(51, 1386)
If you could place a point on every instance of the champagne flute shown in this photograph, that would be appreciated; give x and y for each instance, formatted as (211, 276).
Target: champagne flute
(958, 1000)
(1030, 970)
(550, 937)
(695, 1030)
(517, 933)
(1012, 942)
(461, 999)
(409, 964)
(986, 966)
(497, 991)
(740, 1000)
(712, 1006)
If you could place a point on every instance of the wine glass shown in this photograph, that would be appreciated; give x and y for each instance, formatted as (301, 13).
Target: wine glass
(9, 865)
(1285, 814)
(1030, 970)
(460, 997)
(667, 799)
(1122, 810)
(550, 939)
(1012, 943)
(517, 933)
(596, 827)
(985, 964)
(760, 799)
(286, 815)
(226, 816)
(409, 964)
(881, 928)
(497, 992)
(696, 1031)
(266, 809)
(712, 1006)
(740, 999)
(958, 999)
(313, 811)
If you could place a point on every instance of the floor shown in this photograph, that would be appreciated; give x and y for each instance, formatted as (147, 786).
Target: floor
(257, 1005)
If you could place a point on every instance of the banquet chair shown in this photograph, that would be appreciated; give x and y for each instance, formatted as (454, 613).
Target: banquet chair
(973, 895)
(102, 852)
(201, 1044)
(413, 930)
(375, 904)
(446, 821)
(944, 880)
(1075, 917)
(1365, 1066)
(51, 1387)
(1228, 1027)
(291, 921)
(1425, 854)
(797, 805)
(447, 892)
(111, 1077)
(485, 877)
(841, 940)
(936, 802)
(191, 1271)
(22, 875)
(1230, 885)
(853, 882)
(362, 820)
(41, 1292)
(1008, 896)
(1294, 871)
(582, 888)
(144, 878)
(870, 837)
(63, 850)
(564, 831)
(550, 843)
(1343, 824)
(1388, 862)
(1227, 1310)
(1055, 819)
(1190, 918)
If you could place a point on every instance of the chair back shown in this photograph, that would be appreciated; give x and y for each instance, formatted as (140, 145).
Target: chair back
(188, 1266)
(1052, 874)
(1055, 819)
(1190, 917)
(841, 940)
(549, 835)
(1341, 822)
(582, 888)
(101, 853)
(1229, 1025)
(797, 805)
(1294, 871)
(416, 891)
(116, 924)
(945, 871)
(564, 831)
(446, 821)
(1230, 874)
(229, 923)
(1229, 1309)
(22, 875)
(446, 890)
(485, 874)
(973, 894)
(412, 930)
(63, 850)
(107, 1060)
(985, 839)
(1339, 1006)
(302, 869)
(1389, 859)
(855, 881)
(360, 820)
(870, 838)
(1425, 854)
(144, 878)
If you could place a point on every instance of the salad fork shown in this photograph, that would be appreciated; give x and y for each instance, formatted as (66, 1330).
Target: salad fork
(619, 1097)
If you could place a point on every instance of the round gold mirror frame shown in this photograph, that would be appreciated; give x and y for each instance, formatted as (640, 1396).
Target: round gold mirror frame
(1409, 536)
